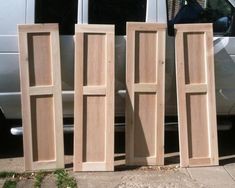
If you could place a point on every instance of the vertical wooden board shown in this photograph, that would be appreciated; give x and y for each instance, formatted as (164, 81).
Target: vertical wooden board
(145, 79)
(144, 118)
(41, 96)
(39, 59)
(197, 122)
(145, 57)
(42, 128)
(195, 58)
(196, 95)
(94, 129)
(94, 98)
(94, 69)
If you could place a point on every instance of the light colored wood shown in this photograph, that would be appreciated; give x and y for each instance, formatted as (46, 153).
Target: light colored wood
(42, 129)
(94, 51)
(93, 28)
(196, 88)
(195, 27)
(139, 161)
(41, 90)
(145, 80)
(94, 90)
(41, 61)
(47, 165)
(200, 161)
(41, 96)
(78, 103)
(94, 98)
(145, 88)
(94, 166)
(196, 95)
(94, 129)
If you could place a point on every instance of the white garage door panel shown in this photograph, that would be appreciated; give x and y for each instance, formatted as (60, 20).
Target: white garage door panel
(12, 12)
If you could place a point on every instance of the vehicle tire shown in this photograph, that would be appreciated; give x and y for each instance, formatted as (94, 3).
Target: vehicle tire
(2, 123)
(3, 131)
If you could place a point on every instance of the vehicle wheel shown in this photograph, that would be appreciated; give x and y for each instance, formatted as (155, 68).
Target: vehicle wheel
(4, 128)
(3, 131)
(2, 123)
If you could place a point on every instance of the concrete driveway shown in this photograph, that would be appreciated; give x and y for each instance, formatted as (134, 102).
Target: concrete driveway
(139, 177)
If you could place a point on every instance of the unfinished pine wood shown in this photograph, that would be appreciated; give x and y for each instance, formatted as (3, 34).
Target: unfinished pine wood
(145, 80)
(94, 98)
(40, 78)
(196, 95)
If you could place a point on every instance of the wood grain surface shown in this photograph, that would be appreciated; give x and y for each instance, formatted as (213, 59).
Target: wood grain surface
(94, 98)
(40, 77)
(145, 80)
(196, 95)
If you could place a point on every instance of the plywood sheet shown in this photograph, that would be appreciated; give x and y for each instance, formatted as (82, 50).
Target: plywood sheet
(145, 80)
(40, 78)
(94, 98)
(196, 95)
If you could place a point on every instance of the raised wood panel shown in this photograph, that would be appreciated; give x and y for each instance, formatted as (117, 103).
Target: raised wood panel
(94, 128)
(145, 57)
(39, 58)
(94, 58)
(42, 150)
(194, 71)
(144, 118)
(145, 79)
(196, 95)
(197, 122)
(94, 98)
(41, 99)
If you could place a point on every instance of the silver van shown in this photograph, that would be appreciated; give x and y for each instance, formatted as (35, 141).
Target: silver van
(118, 12)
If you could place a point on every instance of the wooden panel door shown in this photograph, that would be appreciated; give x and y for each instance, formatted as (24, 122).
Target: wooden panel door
(40, 78)
(196, 95)
(145, 80)
(94, 98)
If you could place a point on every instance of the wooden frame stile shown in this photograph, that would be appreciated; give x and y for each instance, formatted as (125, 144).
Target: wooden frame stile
(196, 95)
(145, 80)
(40, 77)
(94, 98)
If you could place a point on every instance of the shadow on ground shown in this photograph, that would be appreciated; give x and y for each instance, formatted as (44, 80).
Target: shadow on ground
(12, 147)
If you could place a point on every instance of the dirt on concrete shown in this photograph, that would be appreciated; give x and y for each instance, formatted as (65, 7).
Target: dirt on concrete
(171, 176)
(137, 179)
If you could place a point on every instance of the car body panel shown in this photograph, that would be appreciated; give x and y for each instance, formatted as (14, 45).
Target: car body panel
(9, 64)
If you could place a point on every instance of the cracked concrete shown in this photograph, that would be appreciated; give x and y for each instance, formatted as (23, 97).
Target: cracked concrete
(145, 177)
(137, 179)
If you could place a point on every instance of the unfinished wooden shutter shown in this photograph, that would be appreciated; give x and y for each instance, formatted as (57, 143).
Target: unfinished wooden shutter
(41, 96)
(196, 95)
(145, 79)
(94, 98)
